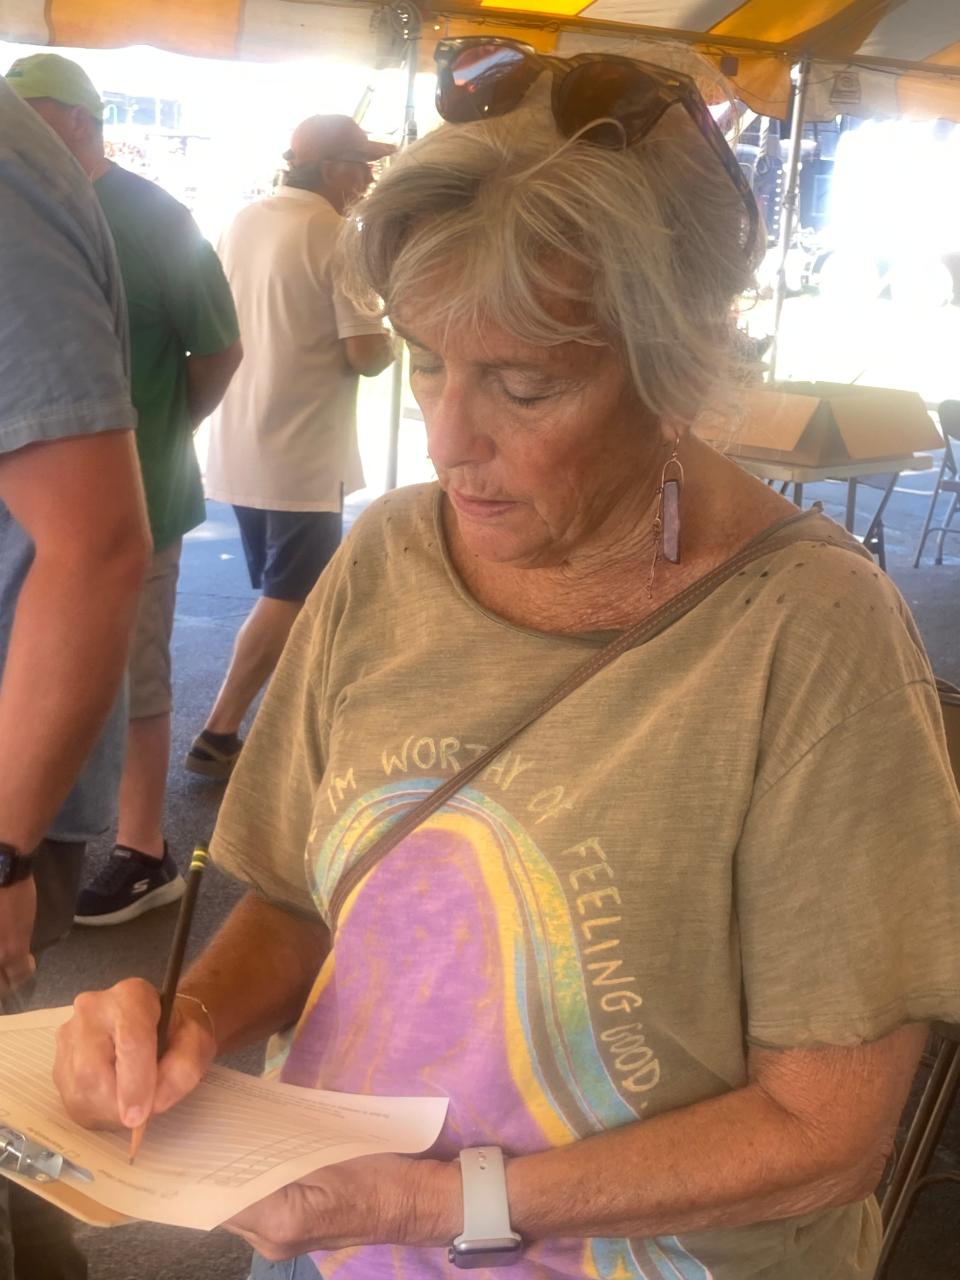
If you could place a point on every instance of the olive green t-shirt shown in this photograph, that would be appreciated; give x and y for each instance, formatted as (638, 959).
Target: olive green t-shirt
(744, 831)
(178, 301)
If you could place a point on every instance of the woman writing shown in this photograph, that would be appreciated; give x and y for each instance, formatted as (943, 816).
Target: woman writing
(666, 951)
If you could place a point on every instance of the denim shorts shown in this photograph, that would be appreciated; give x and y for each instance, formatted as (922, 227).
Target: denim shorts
(301, 1268)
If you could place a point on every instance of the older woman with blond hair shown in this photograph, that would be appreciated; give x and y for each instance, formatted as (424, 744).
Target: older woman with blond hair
(599, 790)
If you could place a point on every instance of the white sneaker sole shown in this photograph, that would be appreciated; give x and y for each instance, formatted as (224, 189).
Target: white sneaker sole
(160, 897)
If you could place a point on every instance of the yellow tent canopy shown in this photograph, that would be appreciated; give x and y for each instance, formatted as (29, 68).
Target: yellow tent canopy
(883, 57)
(873, 56)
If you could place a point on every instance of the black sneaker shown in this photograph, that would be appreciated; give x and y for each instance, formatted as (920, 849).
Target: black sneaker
(130, 884)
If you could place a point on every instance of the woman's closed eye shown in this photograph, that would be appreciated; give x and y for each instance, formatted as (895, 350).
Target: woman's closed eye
(527, 393)
(524, 401)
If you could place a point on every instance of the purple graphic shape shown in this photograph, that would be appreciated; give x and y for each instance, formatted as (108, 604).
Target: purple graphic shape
(416, 1001)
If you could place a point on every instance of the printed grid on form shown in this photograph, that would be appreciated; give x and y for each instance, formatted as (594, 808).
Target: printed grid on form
(227, 1148)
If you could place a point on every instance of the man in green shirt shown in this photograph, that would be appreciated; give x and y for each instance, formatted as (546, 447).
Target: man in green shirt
(185, 348)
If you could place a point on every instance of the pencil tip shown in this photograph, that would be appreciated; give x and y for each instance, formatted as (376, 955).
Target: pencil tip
(136, 1137)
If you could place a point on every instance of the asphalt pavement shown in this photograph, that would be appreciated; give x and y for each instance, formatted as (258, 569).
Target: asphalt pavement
(214, 598)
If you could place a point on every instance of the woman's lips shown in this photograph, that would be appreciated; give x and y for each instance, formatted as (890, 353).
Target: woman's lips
(479, 508)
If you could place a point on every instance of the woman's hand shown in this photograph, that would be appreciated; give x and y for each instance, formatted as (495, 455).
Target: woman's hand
(106, 1065)
(372, 1200)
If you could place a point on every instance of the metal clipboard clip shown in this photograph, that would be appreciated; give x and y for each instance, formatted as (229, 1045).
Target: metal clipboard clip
(31, 1160)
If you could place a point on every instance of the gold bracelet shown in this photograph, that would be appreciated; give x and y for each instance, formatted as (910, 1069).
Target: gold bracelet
(182, 995)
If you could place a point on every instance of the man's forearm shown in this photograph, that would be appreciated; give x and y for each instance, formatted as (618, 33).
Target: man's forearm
(207, 380)
(63, 670)
(256, 974)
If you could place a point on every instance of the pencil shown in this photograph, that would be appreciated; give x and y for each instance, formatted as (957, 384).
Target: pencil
(171, 979)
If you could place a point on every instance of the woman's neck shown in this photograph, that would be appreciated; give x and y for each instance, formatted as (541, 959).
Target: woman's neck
(613, 583)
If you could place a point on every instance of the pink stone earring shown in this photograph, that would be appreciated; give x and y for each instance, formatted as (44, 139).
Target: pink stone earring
(666, 523)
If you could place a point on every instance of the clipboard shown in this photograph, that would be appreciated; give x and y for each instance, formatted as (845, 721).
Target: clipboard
(40, 1170)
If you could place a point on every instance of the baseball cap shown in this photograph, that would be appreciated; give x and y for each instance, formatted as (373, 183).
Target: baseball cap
(47, 75)
(333, 138)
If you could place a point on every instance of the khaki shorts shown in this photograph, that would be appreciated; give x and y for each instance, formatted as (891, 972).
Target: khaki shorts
(149, 668)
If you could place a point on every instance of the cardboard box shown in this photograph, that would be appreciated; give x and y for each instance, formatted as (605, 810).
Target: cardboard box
(821, 424)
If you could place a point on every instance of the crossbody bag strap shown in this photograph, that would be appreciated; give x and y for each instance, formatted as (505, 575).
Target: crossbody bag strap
(629, 639)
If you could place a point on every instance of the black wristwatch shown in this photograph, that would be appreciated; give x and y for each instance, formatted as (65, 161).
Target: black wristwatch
(14, 865)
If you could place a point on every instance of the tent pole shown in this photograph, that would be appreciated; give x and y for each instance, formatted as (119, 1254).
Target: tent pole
(791, 204)
(409, 135)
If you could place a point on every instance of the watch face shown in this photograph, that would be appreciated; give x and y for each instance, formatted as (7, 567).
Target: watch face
(13, 866)
(485, 1253)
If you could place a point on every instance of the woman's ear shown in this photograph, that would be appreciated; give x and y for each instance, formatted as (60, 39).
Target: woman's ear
(672, 431)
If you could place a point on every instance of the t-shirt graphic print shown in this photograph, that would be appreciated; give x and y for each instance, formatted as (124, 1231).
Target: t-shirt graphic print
(462, 969)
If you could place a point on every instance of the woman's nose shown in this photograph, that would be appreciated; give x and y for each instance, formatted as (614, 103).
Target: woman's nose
(456, 435)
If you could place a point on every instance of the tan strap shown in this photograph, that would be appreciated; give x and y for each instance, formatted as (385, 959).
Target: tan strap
(629, 639)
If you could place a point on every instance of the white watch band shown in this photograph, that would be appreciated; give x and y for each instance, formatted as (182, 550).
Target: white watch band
(486, 1214)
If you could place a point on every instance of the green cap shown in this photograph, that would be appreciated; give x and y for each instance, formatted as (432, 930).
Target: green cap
(47, 75)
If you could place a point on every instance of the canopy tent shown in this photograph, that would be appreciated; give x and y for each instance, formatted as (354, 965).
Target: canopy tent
(882, 57)
(873, 56)
(856, 57)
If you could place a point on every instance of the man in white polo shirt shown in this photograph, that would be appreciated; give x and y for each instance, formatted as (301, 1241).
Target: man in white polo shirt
(283, 446)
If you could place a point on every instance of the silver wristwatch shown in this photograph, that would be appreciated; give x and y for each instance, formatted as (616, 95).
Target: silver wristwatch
(487, 1239)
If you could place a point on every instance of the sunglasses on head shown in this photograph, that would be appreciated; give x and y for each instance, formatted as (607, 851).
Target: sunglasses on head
(602, 98)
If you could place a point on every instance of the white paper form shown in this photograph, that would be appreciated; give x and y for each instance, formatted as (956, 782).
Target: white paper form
(231, 1142)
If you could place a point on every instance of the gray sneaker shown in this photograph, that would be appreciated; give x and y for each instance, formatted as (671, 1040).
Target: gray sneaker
(129, 884)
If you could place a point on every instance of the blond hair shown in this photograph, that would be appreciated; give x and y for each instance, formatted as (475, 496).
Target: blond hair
(558, 240)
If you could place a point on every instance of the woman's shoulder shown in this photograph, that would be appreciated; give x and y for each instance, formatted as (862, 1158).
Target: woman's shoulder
(820, 635)
(397, 516)
(814, 565)
(834, 632)
(393, 546)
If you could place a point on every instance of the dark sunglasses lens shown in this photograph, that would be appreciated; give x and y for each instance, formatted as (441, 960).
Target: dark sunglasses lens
(604, 91)
(483, 80)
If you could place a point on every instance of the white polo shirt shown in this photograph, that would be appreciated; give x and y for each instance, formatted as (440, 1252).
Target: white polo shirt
(284, 437)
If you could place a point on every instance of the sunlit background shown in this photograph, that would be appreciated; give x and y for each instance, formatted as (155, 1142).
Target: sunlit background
(875, 283)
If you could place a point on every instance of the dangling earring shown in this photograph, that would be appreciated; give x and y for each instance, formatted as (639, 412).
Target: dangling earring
(666, 523)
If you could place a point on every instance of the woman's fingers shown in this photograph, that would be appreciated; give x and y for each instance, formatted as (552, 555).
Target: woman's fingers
(191, 1050)
(279, 1226)
(369, 1200)
(135, 1043)
(106, 1066)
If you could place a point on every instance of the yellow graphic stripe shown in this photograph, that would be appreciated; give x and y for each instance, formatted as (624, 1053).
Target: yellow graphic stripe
(509, 927)
(320, 984)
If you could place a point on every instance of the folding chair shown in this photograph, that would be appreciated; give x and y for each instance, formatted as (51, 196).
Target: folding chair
(948, 480)
(873, 538)
(911, 1174)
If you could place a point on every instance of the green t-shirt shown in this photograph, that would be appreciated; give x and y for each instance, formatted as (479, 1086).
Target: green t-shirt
(179, 302)
(743, 831)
